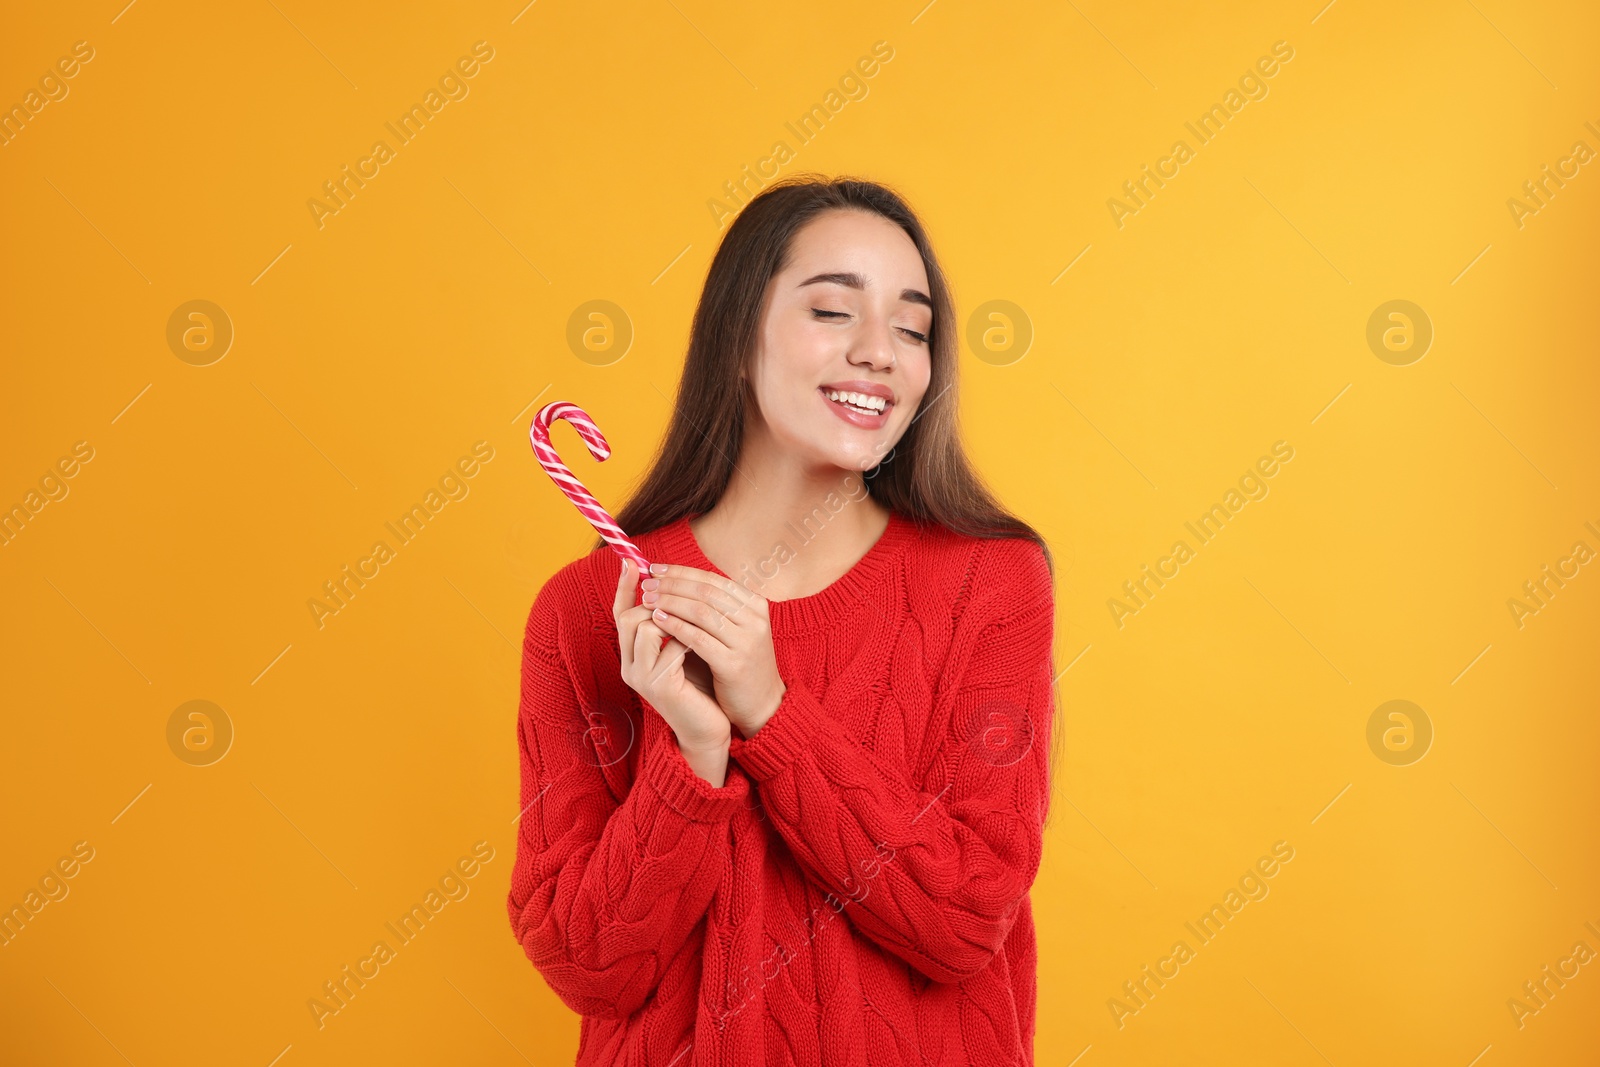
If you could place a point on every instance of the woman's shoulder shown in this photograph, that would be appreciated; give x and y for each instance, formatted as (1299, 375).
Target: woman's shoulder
(575, 587)
(992, 574)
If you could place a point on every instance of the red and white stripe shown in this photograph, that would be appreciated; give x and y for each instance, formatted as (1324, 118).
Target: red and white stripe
(582, 499)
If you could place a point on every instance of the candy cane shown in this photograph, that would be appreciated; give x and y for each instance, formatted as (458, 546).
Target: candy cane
(582, 499)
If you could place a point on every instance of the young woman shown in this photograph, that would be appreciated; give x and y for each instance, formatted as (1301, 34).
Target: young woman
(787, 809)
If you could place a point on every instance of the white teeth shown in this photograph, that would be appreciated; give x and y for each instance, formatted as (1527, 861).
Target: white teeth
(869, 405)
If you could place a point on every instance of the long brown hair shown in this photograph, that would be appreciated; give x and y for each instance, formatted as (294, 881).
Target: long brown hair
(926, 477)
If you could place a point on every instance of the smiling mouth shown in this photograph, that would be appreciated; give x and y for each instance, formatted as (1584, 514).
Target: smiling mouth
(836, 397)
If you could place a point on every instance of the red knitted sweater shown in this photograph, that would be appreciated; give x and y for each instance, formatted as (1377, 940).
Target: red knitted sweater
(857, 891)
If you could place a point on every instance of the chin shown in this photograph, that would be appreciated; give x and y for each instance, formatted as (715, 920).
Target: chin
(826, 446)
(859, 460)
(848, 459)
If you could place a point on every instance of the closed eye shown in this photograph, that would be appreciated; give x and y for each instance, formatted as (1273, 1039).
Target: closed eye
(921, 338)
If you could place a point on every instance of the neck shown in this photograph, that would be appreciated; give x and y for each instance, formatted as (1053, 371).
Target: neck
(821, 515)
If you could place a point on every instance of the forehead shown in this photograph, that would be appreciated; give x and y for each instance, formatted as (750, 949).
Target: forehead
(858, 241)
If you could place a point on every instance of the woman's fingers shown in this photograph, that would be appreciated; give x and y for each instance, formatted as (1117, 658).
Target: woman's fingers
(690, 636)
(627, 582)
(717, 627)
(646, 646)
(671, 656)
(621, 606)
(719, 611)
(724, 593)
(653, 659)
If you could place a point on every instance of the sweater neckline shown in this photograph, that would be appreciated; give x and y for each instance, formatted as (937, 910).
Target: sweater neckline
(801, 614)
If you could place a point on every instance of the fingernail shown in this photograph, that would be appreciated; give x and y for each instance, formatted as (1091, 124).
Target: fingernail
(660, 616)
(650, 583)
(658, 568)
(650, 596)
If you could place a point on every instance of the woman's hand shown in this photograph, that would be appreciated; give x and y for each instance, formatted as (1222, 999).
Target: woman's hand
(660, 674)
(728, 627)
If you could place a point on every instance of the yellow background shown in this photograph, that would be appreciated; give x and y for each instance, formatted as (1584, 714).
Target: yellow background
(432, 311)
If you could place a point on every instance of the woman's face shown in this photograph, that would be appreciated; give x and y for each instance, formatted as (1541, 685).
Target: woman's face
(849, 314)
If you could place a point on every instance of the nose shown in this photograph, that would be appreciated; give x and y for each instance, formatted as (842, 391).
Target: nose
(873, 347)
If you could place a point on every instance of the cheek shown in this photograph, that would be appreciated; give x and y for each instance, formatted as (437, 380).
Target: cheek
(919, 372)
(813, 344)
(800, 358)
(777, 387)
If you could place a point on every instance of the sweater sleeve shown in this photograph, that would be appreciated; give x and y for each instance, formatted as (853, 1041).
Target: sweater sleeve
(605, 894)
(934, 873)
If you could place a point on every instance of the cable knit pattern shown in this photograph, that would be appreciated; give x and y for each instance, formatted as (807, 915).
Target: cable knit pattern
(857, 891)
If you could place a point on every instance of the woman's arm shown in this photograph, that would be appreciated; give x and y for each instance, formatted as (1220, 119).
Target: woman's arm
(604, 895)
(933, 873)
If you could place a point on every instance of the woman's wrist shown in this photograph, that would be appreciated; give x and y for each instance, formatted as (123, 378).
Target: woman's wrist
(708, 759)
(749, 729)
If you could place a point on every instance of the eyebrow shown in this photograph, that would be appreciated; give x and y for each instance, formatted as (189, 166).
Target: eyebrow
(853, 280)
